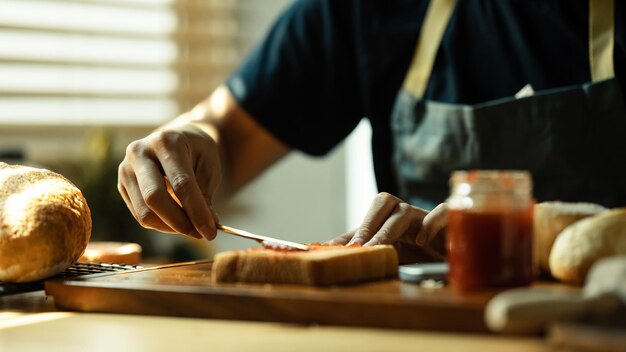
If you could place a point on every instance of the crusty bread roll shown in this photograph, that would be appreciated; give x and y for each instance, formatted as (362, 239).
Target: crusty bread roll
(322, 265)
(45, 223)
(581, 244)
(550, 218)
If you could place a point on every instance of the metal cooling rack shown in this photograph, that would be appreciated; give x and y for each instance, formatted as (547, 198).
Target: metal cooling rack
(78, 269)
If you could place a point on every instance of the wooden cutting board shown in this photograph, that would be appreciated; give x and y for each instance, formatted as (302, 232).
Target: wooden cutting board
(185, 290)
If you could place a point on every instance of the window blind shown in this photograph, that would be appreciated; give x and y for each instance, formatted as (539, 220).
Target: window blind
(112, 62)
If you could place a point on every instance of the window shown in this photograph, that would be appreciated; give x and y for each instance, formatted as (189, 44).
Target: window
(111, 62)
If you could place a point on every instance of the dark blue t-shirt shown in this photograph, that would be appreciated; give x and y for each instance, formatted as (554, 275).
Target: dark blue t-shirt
(326, 64)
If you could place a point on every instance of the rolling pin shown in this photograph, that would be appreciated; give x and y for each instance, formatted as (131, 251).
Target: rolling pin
(530, 310)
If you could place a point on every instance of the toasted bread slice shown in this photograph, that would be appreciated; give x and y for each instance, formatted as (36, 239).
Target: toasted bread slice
(322, 265)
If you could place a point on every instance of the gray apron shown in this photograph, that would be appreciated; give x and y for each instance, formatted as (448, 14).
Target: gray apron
(572, 139)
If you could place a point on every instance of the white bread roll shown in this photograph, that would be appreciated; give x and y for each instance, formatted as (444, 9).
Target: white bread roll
(550, 218)
(583, 243)
(45, 223)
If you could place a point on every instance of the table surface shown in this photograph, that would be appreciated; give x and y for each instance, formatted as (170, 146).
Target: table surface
(30, 322)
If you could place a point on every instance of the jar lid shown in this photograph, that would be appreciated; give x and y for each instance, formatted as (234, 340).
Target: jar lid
(496, 181)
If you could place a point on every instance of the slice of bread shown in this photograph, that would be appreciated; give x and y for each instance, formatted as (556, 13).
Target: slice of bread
(321, 265)
(550, 218)
(583, 243)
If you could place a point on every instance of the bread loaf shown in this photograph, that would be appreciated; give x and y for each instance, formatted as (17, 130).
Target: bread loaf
(550, 218)
(581, 244)
(322, 265)
(45, 223)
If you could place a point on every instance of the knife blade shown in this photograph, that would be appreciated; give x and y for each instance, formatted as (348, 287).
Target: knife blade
(264, 240)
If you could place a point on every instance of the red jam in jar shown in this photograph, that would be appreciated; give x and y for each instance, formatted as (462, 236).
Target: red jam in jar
(490, 229)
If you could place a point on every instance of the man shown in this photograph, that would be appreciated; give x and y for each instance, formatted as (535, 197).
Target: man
(447, 103)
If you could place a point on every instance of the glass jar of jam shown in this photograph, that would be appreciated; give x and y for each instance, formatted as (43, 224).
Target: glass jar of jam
(490, 229)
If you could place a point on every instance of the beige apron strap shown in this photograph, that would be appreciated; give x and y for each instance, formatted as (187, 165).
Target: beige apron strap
(601, 41)
(431, 34)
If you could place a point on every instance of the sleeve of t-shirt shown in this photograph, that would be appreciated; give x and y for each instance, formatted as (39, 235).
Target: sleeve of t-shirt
(300, 83)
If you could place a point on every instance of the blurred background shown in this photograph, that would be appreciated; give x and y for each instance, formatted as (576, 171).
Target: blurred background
(81, 79)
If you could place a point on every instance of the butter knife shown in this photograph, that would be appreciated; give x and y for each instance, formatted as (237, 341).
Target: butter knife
(264, 240)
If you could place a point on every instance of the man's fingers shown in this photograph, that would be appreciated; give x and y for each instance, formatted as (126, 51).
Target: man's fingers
(154, 191)
(126, 198)
(211, 174)
(401, 222)
(342, 239)
(382, 207)
(173, 154)
(433, 223)
(130, 192)
(133, 197)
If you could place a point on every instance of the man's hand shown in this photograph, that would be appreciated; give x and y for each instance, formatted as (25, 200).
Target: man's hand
(390, 220)
(168, 180)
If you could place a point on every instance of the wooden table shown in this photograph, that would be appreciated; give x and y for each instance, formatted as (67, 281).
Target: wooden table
(30, 322)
